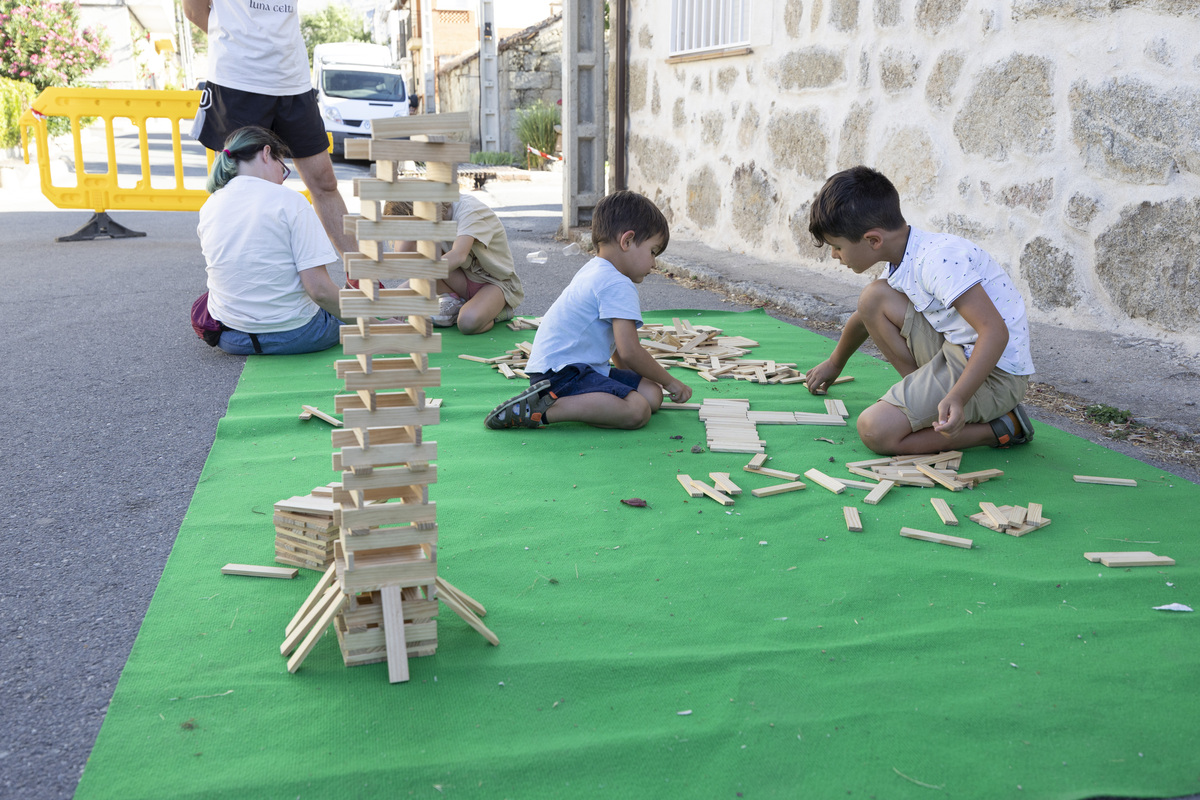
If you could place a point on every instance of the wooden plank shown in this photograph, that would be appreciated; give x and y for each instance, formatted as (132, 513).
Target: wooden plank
(773, 473)
(1105, 481)
(823, 480)
(420, 124)
(413, 189)
(308, 412)
(938, 538)
(712, 493)
(318, 630)
(866, 486)
(1096, 557)
(722, 482)
(686, 482)
(303, 627)
(313, 598)
(979, 476)
(444, 585)
(393, 631)
(853, 521)
(391, 303)
(255, 571)
(757, 462)
(1034, 515)
(937, 477)
(373, 516)
(454, 604)
(779, 488)
(391, 373)
(879, 492)
(995, 515)
(408, 149)
(390, 338)
(1126, 560)
(943, 510)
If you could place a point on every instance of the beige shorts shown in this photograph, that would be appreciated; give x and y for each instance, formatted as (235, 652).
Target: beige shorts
(939, 365)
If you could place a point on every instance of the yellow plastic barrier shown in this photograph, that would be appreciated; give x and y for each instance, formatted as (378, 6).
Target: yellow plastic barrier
(101, 191)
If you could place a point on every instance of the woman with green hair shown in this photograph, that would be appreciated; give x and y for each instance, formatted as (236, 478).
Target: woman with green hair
(266, 252)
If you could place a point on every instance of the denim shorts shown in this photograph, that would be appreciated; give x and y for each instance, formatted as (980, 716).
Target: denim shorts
(582, 379)
(319, 333)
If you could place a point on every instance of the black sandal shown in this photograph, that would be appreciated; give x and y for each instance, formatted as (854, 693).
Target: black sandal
(1006, 432)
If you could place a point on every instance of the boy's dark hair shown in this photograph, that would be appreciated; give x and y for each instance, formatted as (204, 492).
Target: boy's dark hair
(628, 211)
(853, 202)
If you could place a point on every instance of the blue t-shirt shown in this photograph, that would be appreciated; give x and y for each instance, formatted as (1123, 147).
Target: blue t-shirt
(578, 327)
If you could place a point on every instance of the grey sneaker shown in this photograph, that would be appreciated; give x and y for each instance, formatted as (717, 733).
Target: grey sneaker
(523, 411)
(448, 308)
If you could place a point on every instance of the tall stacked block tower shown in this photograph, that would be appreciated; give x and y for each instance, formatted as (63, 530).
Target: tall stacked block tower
(381, 593)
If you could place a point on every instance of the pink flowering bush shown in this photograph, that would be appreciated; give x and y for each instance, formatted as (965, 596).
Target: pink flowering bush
(41, 43)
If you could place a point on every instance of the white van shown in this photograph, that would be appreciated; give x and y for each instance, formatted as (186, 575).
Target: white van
(355, 84)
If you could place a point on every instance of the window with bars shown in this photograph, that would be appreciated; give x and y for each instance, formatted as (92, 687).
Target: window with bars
(698, 26)
(451, 17)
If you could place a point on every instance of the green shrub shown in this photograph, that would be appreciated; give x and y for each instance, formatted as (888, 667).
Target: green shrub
(535, 127)
(15, 97)
(490, 158)
(1107, 415)
(43, 44)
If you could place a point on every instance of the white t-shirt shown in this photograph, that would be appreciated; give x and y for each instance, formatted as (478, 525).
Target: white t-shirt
(578, 327)
(256, 46)
(257, 236)
(939, 268)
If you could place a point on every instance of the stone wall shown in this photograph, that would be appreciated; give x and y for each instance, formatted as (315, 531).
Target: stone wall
(530, 69)
(1061, 135)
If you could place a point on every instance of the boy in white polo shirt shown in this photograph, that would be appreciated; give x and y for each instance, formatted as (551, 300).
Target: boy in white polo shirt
(945, 315)
(596, 319)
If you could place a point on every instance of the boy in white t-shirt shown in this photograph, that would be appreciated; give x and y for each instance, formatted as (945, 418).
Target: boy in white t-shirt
(596, 319)
(945, 315)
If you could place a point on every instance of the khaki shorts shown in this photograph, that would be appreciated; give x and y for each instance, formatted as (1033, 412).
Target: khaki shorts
(939, 365)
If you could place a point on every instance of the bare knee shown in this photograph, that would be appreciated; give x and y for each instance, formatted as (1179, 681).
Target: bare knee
(472, 322)
(637, 412)
(879, 430)
(878, 297)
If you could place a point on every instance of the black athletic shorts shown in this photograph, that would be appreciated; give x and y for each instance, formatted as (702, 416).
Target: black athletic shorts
(294, 118)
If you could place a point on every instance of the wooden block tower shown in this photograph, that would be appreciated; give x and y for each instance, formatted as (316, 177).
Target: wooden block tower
(381, 593)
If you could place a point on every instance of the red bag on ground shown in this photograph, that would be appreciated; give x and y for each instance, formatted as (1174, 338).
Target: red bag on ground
(203, 323)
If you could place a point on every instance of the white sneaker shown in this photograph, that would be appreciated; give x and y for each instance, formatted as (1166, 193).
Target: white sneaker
(448, 308)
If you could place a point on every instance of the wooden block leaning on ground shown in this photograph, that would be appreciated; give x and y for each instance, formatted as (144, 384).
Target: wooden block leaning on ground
(713, 493)
(824, 481)
(1007, 516)
(1105, 481)
(879, 492)
(259, 572)
(308, 412)
(943, 510)
(723, 484)
(1139, 558)
(938, 538)
(853, 521)
(773, 473)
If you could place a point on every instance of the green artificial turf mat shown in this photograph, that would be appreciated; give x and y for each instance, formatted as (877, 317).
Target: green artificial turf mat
(684, 649)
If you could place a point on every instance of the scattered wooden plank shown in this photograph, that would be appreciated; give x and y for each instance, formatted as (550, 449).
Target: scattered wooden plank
(853, 521)
(712, 493)
(1034, 515)
(317, 631)
(309, 412)
(773, 473)
(879, 492)
(1105, 481)
(866, 486)
(254, 571)
(937, 477)
(1126, 560)
(938, 538)
(1096, 557)
(722, 482)
(943, 510)
(779, 488)
(686, 482)
(757, 462)
(824, 481)
(997, 517)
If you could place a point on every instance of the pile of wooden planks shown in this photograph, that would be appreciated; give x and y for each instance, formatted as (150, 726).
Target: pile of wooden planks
(731, 427)
(1013, 520)
(305, 532)
(929, 470)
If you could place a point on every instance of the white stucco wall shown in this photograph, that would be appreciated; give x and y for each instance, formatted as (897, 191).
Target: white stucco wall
(1062, 136)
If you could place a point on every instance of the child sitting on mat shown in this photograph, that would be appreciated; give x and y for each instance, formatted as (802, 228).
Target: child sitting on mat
(945, 315)
(597, 318)
(482, 287)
